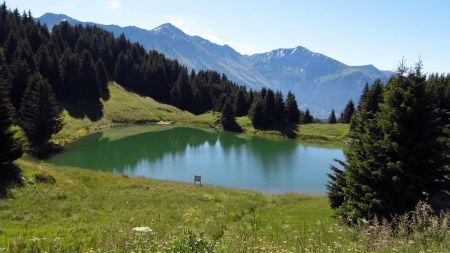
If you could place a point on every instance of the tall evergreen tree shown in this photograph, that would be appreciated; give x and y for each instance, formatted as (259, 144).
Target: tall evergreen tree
(227, 118)
(269, 109)
(10, 149)
(363, 96)
(240, 103)
(182, 92)
(280, 108)
(332, 118)
(88, 78)
(40, 115)
(292, 111)
(348, 112)
(69, 65)
(306, 118)
(396, 158)
(21, 74)
(256, 113)
(102, 78)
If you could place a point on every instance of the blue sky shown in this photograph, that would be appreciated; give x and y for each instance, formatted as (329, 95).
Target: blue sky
(355, 32)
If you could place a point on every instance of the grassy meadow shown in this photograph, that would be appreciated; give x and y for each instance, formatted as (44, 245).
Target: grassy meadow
(62, 209)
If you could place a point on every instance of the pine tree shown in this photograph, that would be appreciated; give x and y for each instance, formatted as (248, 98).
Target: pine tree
(40, 115)
(48, 66)
(332, 118)
(240, 103)
(256, 113)
(182, 92)
(280, 108)
(363, 96)
(70, 91)
(341, 118)
(307, 118)
(88, 80)
(395, 159)
(102, 78)
(336, 185)
(227, 118)
(269, 109)
(10, 149)
(292, 111)
(348, 112)
(371, 100)
(21, 74)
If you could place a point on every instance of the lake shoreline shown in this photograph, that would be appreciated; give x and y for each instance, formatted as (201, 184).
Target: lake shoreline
(222, 158)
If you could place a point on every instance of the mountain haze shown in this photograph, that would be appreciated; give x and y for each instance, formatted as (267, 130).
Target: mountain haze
(319, 82)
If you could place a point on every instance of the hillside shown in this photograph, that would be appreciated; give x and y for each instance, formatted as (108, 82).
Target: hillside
(125, 107)
(320, 82)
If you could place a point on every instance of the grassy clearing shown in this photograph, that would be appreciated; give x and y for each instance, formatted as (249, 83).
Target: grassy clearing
(124, 107)
(328, 134)
(88, 211)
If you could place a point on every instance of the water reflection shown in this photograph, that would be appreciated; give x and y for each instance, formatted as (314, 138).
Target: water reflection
(222, 158)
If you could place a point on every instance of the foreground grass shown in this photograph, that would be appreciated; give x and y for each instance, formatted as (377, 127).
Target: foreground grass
(88, 211)
(124, 107)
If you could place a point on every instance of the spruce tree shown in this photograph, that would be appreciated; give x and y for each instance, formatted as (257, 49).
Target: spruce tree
(395, 159)
(280, 108)
(182, 92)
(292, 111)
(348, 112)
(70, 91)
(363, 96)
(227, 118)
(307, 118)
(256, 113)
(88, 79)
(341, 118)
(102, 78)
(21, 73)
(332, 118)
(10, 149)
(40, 114)
(240, 103)
(269, 109)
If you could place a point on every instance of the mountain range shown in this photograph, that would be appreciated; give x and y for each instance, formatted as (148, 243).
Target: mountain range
(318, 81)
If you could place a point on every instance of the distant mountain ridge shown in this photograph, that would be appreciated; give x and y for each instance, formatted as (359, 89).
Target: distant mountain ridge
(319, 82)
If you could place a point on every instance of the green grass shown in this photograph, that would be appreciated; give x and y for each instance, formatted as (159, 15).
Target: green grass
(124, 107)
(88, 211)
(326, 134)
(127, 108)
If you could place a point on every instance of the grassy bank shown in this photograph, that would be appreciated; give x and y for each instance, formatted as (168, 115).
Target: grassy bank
(87, 211)
(328, 134)
(124, 107)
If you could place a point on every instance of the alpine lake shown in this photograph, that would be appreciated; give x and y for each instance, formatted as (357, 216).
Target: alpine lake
(220, 158)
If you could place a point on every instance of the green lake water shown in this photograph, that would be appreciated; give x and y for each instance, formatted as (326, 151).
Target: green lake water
(223, 159)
